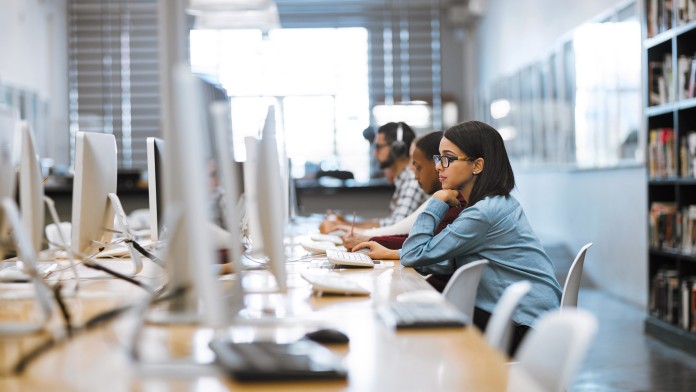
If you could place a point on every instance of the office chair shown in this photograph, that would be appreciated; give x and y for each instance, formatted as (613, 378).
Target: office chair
(551, 354)
(461, 288)
(499, 328)
(572, 283)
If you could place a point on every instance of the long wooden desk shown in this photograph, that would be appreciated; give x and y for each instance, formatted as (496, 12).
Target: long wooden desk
(378, 358)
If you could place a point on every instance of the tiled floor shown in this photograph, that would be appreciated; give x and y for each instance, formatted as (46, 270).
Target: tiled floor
(623, 358)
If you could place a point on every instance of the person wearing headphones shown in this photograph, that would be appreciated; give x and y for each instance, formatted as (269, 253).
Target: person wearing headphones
(391, 149)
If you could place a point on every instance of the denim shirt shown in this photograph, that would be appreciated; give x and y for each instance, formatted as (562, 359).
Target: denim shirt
(495, 229)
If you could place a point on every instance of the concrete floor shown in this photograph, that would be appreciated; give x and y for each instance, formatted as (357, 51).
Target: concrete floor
(623, 358)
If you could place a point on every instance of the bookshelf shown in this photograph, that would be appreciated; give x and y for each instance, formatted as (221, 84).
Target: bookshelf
(669, 44)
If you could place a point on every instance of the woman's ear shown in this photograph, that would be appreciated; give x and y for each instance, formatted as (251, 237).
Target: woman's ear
(478, 166)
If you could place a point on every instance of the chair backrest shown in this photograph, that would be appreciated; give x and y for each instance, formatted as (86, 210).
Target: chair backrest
(461, 288)
(499, 328)
(553, 351)
(572, 283)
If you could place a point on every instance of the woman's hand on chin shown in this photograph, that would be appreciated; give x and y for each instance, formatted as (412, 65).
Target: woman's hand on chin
(448, 196)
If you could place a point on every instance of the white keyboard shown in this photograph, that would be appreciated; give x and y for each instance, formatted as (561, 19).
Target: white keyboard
(355, 259)
(326, 238)
(334, 284)
(317, 246)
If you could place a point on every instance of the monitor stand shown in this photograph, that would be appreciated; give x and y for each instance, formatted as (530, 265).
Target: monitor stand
(64, 245)
(122, 220)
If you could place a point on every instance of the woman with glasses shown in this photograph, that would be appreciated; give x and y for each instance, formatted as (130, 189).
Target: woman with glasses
(473, 165)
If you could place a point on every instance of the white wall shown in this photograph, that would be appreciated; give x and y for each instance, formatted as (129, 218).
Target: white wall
(606, 207)
(34, 56)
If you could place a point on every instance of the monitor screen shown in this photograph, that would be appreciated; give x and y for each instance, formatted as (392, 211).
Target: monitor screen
(31, 189)
(155, 185)
(95, 177)
(8, 124)
(189, 252)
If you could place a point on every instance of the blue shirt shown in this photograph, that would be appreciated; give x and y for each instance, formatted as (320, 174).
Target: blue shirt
(495, 229)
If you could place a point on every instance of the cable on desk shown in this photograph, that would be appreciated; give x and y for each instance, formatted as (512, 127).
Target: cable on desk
(93, 265)
(147, 253)
(63, 309)
(93, 322)
(103, 317)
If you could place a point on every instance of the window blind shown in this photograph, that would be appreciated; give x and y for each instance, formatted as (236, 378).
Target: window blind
(404, 52)
(113, 80)
(113, 73)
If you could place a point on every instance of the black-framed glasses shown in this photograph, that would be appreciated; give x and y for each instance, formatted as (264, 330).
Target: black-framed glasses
(446, 160)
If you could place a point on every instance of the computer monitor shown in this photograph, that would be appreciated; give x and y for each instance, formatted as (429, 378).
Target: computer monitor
(31, 189)
(272, 202)
(228, 177)
(155, 185)
(95, 178)
(251, 177)
(8, 128)
(188, 249)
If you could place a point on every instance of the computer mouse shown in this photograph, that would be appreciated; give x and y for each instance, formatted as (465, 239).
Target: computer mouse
(327, 335)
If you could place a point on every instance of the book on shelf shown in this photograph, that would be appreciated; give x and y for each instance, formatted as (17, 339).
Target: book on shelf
(655, 80)
(673, 299)
(688, 230)
(662, 295)
(659, 15)
(691, 86)
(670, 228)
(661, 153)
(662, 225)
(684, 65)
(687, 155)
(660, 77)
(686, 11)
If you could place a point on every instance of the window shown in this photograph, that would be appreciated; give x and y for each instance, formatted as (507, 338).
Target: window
(318, 77)
(113, 74)
(344, 57)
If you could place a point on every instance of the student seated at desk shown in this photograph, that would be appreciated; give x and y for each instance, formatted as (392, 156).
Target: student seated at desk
(393, 236)
(391, 149)
(473, 164)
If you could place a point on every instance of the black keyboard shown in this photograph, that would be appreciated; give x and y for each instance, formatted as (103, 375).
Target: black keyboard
(270, 361)
(423, 315)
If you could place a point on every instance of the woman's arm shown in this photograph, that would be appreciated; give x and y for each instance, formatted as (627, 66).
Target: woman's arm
(465, 235)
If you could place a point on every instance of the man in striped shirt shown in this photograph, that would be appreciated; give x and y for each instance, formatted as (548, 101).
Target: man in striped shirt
(391, 148)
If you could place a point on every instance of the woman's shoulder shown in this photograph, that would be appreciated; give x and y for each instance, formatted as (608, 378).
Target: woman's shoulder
(495, 205)
(497, 201)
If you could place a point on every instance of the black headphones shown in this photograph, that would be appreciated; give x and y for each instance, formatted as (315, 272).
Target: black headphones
(398, 146)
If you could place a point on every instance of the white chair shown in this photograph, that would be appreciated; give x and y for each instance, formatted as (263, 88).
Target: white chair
(499, 328)
(461, 288)
(572, 283)
(551, 353)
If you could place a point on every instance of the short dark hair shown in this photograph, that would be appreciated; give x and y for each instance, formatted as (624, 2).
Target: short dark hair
(479, 140)
(389, 131)
(429, 143)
